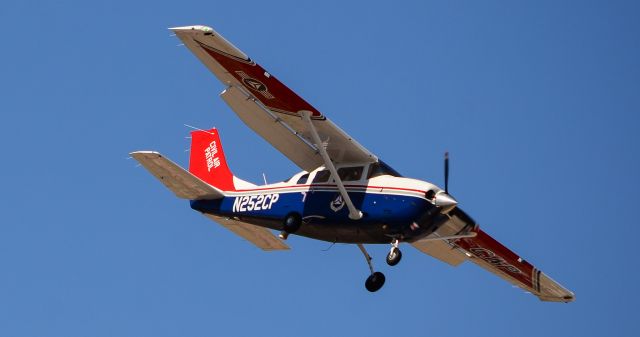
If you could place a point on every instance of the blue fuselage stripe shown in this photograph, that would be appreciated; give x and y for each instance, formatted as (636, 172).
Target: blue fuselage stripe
(395, 212)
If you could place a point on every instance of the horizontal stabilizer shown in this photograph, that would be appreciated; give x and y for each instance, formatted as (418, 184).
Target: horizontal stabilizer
(184, 184)
(259, 236)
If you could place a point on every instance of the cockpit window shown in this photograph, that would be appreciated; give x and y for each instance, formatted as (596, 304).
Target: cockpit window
(381, 169)
(350, 173)
(303, 179)
(322, 176)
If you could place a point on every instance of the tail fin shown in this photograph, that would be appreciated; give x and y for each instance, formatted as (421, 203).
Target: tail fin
(207, 160)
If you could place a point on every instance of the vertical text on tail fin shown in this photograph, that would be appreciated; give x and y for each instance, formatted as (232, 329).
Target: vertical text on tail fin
(207, 160)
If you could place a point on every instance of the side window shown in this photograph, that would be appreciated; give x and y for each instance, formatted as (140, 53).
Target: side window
(303, 179)
(322, 176)
(350, 173)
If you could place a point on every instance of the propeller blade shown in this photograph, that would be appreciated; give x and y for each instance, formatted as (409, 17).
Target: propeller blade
(446, 172)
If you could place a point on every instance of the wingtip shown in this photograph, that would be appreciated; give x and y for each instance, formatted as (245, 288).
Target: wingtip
(569, 298)
(201, 28)
(134, 153)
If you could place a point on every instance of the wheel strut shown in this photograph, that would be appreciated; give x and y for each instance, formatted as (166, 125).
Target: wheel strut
(366, 257)
(375, 281)
(395, 254)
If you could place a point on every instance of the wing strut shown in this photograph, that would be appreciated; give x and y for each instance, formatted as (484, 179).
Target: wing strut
(450, 237)
(354, 213)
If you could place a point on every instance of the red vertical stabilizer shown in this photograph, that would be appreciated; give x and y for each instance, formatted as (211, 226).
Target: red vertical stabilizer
(207, 160)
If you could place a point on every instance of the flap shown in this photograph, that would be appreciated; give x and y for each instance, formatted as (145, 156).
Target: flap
(442, 251)
(272, 129)
(445, 250)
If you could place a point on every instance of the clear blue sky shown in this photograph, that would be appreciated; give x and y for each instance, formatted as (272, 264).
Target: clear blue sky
(538, 103)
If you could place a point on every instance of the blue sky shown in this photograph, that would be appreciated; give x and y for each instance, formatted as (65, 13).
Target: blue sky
(537, 102)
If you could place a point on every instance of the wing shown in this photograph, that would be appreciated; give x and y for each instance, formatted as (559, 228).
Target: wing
(182, 183)
(491, 255)
(268, 106)
(259, 236)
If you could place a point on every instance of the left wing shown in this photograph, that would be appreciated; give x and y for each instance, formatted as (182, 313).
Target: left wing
(491, 255)
(268, 106)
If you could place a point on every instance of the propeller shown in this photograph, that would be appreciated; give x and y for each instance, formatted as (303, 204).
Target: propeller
(446, 172)
(444, 200)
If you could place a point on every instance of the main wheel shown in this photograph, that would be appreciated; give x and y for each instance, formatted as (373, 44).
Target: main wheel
(292, 223)
(394, 257)
(374, 282)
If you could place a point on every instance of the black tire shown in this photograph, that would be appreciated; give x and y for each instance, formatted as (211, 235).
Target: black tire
(292, 223)
(394, 257)
(374, 282)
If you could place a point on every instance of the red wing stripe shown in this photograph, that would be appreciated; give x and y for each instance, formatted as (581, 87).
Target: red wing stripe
(265, 87)
(498, 256)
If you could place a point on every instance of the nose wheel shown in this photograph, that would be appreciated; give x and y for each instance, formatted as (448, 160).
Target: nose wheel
(375, 281)
(395, 255)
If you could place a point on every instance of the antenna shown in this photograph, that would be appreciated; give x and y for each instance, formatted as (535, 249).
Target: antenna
(198, 129)
(264, 177)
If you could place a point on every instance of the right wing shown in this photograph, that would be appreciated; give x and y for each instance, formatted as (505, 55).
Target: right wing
(268, 106)
(491, 255)
(259, 236)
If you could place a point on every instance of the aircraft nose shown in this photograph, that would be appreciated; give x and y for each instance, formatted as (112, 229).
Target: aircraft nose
(445, 201)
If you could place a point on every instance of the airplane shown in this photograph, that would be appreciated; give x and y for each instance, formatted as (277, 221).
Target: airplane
(344, 193)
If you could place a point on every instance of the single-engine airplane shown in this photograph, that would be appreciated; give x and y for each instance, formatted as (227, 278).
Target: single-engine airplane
(345, 193)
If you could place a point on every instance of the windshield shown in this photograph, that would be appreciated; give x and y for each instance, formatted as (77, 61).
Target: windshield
(381, 169)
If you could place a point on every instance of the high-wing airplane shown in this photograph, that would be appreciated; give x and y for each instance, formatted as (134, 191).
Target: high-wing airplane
(345, 193)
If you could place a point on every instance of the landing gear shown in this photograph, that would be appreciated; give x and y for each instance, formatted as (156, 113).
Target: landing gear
(375, 281)
(291, 224)
(395, 255)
